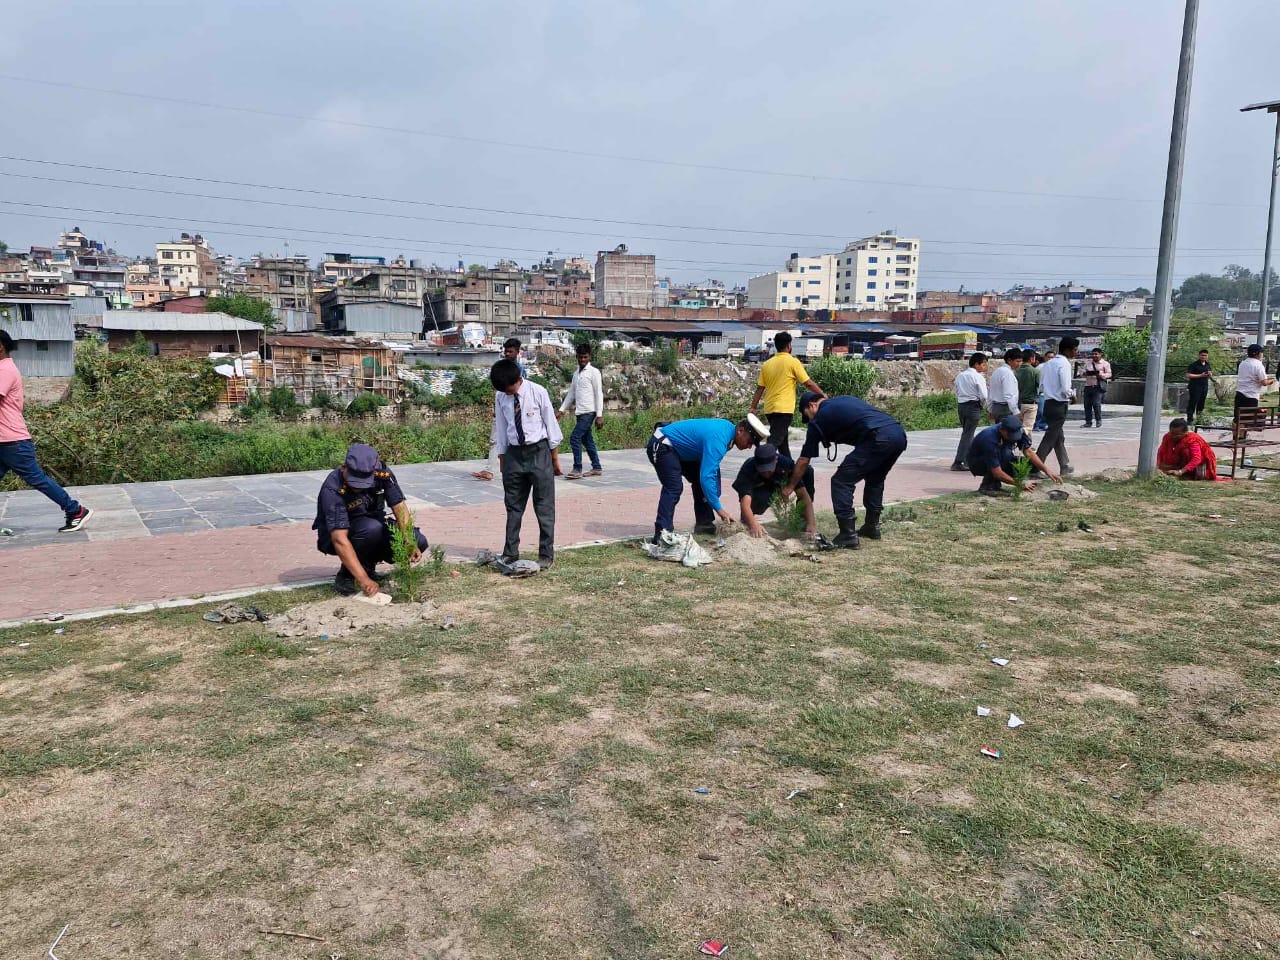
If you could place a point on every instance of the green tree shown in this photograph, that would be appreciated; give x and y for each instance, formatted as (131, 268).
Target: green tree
(4, 248)
(244, 306)
(1235, 283)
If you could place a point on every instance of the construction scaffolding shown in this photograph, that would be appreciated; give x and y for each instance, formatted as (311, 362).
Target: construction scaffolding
(340, 366)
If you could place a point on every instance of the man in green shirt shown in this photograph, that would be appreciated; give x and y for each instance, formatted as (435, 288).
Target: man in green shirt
(1028, 389)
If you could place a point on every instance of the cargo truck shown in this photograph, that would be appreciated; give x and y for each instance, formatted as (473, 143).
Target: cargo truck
(948, 345)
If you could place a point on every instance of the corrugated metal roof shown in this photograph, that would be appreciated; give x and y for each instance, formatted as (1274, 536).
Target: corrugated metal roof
(323, 343)
(153, 322)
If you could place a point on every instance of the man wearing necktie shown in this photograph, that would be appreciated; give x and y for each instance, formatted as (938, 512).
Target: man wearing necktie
(525, 434)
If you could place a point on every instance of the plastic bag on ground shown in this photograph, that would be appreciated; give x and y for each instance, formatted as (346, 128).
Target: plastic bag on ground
(678, 548)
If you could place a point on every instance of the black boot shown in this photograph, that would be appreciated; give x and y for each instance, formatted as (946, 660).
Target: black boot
(847, 538)
(344, 583)
(871, 528)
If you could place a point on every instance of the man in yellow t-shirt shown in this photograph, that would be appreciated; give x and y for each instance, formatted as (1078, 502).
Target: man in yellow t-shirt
(780, 376)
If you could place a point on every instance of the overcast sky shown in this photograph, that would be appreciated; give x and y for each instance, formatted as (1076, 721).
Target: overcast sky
(970, 117)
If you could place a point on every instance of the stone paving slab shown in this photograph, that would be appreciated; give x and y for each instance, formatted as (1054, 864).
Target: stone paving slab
(185, 506)
(45, 572)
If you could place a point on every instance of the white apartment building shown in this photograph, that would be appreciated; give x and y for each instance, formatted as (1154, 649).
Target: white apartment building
(875, 273)
(187, 264)
(806, 283)
(878, 273)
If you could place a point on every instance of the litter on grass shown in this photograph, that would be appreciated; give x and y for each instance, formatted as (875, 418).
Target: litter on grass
(702, 790)
(1015, 721)
(379, 599)
(984, 711)
(992, 752)
(712, 948)
(681, 548)
(1000, 661)
(235, 613)
(517, 569)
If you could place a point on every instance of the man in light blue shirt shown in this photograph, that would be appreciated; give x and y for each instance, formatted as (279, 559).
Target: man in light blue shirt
(692, 450)
(1055, 384)
(525, 433)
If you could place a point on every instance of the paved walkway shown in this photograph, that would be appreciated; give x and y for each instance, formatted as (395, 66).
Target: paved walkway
(155, 541)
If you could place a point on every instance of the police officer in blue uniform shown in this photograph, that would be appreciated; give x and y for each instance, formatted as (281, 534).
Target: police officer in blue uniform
(352, 522)
(763, 475)
(993, 452)
(877, 440)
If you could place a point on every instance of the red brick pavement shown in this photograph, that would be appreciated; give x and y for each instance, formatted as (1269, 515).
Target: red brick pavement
(99, 576)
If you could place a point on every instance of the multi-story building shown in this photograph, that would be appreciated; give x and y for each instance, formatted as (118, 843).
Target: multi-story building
(557, 289)
(1075, 305)
(285, 283)
(626, 279)
(806, 284)
(187, 264)
(345, 267)
(489, 297)
(878, 273)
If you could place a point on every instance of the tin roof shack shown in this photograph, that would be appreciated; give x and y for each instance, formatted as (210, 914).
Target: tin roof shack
(384, 319)
(181, 334)
(45, 344)
(341, 366)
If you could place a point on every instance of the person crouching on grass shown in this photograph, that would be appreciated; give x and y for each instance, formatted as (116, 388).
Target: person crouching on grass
(994, 451)
(525, 435)
(692, 450)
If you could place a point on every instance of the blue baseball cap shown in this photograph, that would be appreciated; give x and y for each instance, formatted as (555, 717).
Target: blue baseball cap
(1012, 425)
(362, 460)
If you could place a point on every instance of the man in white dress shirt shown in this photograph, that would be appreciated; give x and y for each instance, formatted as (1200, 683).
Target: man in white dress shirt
(586, 399)
(1003, 394)
(1251, 377)
(525, 434)
(971, 400)
(1055, 384)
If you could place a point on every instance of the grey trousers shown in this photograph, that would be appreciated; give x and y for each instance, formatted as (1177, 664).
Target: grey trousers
(999, 411)
(528, 470)
(970, 417)
(1055, 415)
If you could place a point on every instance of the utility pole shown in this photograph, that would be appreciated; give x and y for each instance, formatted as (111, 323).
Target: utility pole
(1153, 398)
(1263, 312)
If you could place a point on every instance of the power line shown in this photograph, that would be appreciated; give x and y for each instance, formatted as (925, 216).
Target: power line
(452, 250)
(595, 155)
(551, 216)
(502, 226)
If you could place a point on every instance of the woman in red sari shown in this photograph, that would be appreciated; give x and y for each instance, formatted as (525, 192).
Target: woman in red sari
(1185, 454)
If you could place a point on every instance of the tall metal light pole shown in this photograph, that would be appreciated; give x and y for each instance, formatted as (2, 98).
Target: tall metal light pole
(1272, 107)
(1153, 398)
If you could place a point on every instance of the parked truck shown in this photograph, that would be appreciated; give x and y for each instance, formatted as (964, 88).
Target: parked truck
(808, 348)
(893, 348)
(948, 345)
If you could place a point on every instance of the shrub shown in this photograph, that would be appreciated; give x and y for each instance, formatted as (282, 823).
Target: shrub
(325, 400)
(283, 403)
(365, 404)
(665, 357)
(838, 377)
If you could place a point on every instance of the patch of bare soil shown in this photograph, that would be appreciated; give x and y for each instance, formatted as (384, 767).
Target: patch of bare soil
(1239, 814)
(944, 676)
(924, 784)
(1073, 491)
(747, 550)
(343, 616)
(661, 630)
(1194, 684)
(1100, 691)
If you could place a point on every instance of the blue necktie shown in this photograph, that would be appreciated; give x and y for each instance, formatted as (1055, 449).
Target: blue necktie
(519, 420)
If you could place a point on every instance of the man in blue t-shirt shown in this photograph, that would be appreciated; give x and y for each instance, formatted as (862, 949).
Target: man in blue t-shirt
(993, 452)
(692, 450)
(763, 475)
(877, 440)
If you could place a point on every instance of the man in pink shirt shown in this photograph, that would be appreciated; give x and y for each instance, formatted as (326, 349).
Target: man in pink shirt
(18, 452)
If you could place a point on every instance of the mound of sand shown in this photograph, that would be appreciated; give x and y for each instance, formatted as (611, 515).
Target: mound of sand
(343, 616)
(746, 549)
(1073, 491)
